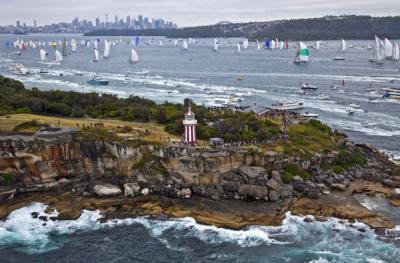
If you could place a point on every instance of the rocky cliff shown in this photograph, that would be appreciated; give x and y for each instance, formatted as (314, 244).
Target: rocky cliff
(30, 164)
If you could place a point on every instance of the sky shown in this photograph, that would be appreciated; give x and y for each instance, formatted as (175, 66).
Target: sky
(188, 12)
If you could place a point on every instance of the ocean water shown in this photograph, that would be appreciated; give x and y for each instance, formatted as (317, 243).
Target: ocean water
(25, 239)
(210, 78)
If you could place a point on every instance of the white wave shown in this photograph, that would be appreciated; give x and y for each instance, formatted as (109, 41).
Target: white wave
(319, 260)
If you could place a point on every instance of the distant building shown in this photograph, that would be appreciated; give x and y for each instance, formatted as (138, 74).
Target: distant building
(189, 136)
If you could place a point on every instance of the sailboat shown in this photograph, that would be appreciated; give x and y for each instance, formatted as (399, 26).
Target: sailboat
(388, 49)
(215, 45)
(396, 51)
(378, 51)
(96, 55)
(245, 43)
(267, 43)
(273, 44)
(73, 45)
(185, 45)
(133, 58)
(64, 48)
(42, 54)
(58, 57)
(106, 49)
(161, 43)
(258, 45)
(317, 45)
(302, 54)
(238, 47)
(343, 45)
(286, 44)
(175, 42)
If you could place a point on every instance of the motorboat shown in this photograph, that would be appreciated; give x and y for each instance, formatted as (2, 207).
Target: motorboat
(309, 115)
(354, 106)
(322, 96)
(19, 69)
(339, 58)
(98, 81)
(334, 87)
(306, 86)
(43, 71)
(288, 105)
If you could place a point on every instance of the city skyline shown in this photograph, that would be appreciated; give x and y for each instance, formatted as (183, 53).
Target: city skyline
(189, 12)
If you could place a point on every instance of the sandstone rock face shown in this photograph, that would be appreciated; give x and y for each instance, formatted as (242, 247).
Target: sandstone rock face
(252, 171)
(106, 190)
(254, 191)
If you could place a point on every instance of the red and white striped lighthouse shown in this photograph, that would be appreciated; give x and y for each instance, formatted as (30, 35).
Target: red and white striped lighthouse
(189, 137)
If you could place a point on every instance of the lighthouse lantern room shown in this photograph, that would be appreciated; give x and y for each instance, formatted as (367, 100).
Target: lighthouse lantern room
(189, 137)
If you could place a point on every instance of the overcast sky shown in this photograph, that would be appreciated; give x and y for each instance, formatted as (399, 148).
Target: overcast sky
(188, 12)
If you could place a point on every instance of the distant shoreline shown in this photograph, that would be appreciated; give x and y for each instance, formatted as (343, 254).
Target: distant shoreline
(325, 28)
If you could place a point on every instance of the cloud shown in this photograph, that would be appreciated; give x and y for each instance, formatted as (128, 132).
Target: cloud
(187, 12)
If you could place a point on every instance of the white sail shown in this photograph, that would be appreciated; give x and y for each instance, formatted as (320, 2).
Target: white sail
(258, 45)
(273, 44)
(88, 43)
(281, 44)
(42, 54)
(106, 49)
(378, 51)
(95, 44)
(317, 45)
(396, 51)
(175, 42)
(245, 44)
(161, 43)
(57, 56)
(238, 48)
(73, 45)
(215, 44)
(96, 55)
(388, 49)
(343, 45)
(185, 45)
(133, 58)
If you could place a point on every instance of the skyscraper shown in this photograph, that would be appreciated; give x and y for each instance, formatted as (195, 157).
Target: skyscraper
(34, 24)
(128, 21)
(116, 20)
(18, 23)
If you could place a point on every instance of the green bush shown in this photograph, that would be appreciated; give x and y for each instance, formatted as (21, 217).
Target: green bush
(293, 170)
(23, 110)
(347, 159)
(6, 177)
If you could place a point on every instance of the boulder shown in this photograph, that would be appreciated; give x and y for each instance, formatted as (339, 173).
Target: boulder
(273, 195)
(185, 193)
(391, 183)
(130, 189)
(252, 171)
(106, 190)
(275, 184)
(338, 187)
(276, 175)
(145, 191)
(253, 191)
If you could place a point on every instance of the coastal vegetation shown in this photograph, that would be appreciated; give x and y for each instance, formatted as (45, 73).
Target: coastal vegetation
(140, 121)
(326, 28)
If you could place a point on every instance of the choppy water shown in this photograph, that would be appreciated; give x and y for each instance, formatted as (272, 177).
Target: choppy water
(24, 239)
(210, 78)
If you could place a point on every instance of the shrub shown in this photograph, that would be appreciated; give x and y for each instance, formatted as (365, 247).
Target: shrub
(293, 170)
(23, 110)
(7, 178)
